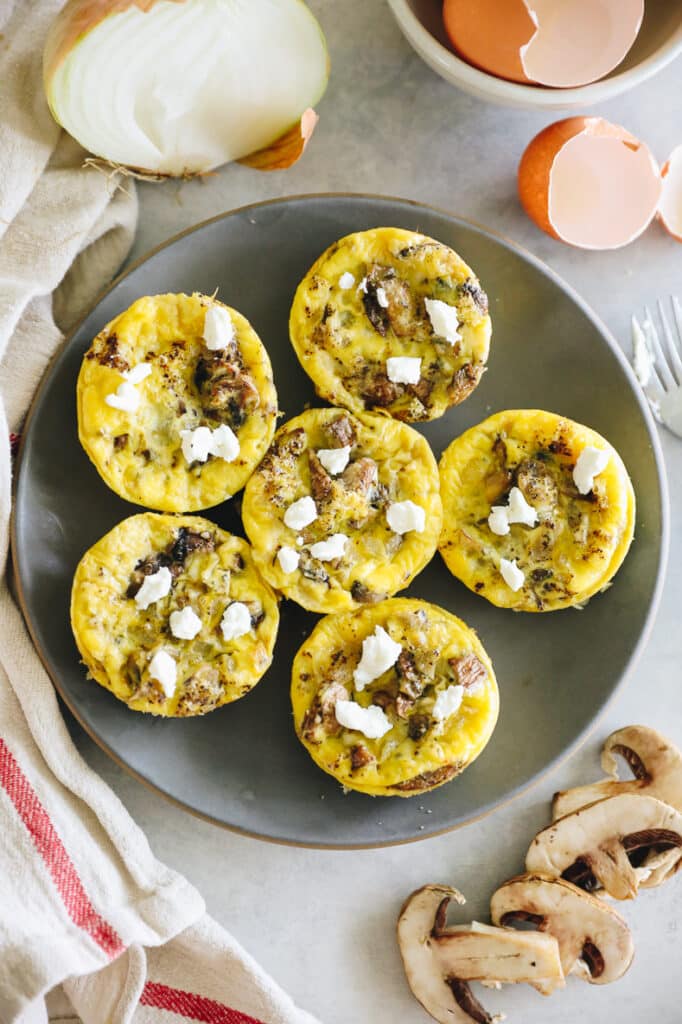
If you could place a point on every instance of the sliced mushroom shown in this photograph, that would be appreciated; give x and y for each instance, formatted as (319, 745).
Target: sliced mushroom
(656, 764)
(614, 843)
(594, 940)
(440, 960)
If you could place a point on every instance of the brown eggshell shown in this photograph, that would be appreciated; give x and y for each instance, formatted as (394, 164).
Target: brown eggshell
(489, 34)
(536, 166)
(568, 213)
(670, 208)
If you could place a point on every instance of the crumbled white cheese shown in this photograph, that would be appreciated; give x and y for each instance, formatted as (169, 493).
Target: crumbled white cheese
(201, 442)
(519, 509)
(163, 667)
(379, 652)
(126, 397)
(382, 298)
(511, 574)
(444, 320)
(300, 513)
(371, 722)
(362, 287)
(300, 542)
(334, 460)
(153, 588)
(591, 462)
(404, 369)
(185, 624)
(498, 520)
(197, 444)
(224, 443)
(236, 621)
(447, 702)
(137, 373)
(516, 511)
(328, 550)
(346, 281)
(218, 328)
(403, 516)
(288, 559)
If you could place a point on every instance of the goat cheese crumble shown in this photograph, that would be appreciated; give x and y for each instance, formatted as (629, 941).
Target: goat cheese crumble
(404, 369)
(591, 462)
(236, 621)
(511, 574)
(444, 320)
(334, 460)
(404, 516)
(164, 669)
(371, 722)
(218, 328)
(185, 623)
(379, 653)
(153, 588)
(300, 513)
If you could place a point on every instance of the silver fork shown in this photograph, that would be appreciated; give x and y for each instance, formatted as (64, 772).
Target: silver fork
(657, 362)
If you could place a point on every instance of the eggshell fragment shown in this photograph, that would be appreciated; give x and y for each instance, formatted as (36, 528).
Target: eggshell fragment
(490, 34)
(589, 183)
(670, 207)
(556, 43)
(579, 41)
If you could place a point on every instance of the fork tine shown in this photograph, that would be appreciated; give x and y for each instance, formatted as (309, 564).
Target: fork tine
(677, 313)
(651, 333)
(674, 356)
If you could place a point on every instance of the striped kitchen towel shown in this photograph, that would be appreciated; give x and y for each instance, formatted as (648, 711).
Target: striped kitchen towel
(92, 926)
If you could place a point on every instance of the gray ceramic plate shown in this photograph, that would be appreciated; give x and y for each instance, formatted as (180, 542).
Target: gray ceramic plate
(242, 766)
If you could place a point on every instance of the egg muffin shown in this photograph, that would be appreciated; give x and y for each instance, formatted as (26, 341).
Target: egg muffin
(393, 699)
(176, 402)
(343, 510)
(392, 321)
(171, 615)
(539, 511)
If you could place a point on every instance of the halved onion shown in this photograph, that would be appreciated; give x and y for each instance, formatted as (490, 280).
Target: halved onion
(558, 43)
(589, 183)
(178, 87)
(670, 207)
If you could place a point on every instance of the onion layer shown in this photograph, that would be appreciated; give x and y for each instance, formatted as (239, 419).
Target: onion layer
(178, 87)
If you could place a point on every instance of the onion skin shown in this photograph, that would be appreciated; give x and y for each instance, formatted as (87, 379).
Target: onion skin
(287, 149)
(536, 164)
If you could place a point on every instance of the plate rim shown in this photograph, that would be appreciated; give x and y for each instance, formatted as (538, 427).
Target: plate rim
(656, 447)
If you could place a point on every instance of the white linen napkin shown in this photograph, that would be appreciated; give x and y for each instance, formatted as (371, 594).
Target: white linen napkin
(83, 901)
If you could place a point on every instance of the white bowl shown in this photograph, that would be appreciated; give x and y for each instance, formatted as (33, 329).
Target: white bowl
(659, 41)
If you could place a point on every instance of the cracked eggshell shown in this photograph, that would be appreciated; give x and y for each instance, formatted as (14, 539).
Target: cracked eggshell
(670, 207)
(589, 183)
(579, 42)
(474, 31)
(544, 42)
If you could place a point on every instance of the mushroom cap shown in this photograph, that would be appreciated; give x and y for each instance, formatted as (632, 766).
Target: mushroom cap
(656, 764)
(594, 940)
(597, 844)
(440, 960)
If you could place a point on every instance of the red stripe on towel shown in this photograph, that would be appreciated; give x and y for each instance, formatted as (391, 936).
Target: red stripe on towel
(57, 861)
(192, 1006)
